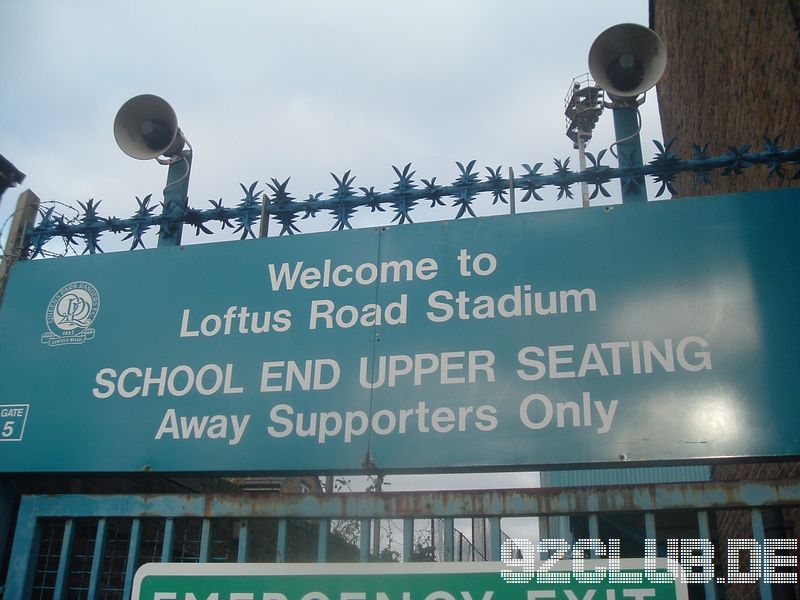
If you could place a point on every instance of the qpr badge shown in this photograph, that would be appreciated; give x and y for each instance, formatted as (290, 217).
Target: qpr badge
(70, 313)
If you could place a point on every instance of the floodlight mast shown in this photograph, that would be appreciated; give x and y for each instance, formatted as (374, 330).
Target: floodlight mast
(583, 107)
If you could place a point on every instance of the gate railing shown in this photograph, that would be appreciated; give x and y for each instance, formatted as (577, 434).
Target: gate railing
(72, 543)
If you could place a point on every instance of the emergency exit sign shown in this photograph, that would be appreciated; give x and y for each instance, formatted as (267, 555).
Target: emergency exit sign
(386, 581)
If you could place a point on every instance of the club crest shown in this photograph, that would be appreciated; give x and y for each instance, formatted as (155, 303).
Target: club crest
(70, 313)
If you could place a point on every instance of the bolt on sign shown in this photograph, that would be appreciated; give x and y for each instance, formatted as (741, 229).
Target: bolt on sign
(650, 332)
(399, 581)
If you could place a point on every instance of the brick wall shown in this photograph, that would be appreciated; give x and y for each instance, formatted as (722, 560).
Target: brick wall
(732, 77)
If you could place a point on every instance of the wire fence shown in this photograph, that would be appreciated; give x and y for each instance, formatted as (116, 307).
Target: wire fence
(406, 195)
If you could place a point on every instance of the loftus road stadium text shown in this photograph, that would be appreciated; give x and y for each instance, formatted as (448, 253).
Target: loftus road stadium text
(457, 366)
(536, 410)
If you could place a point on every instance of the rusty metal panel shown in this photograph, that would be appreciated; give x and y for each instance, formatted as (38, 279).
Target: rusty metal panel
(506, 503)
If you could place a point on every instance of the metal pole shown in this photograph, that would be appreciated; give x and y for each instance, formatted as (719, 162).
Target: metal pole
(629, 151)
(582, 164)
(376, 523)
(408, 539)
(757, 522)
(511, 191)
(8, 494)
(263, 225)
(176, 198)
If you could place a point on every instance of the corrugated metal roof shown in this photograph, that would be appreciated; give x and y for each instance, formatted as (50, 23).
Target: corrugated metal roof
(589, 477)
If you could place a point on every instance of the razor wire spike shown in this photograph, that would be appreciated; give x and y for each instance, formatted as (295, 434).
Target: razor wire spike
(562, 174)
(404, 195)
(465, 189)
(433, 192)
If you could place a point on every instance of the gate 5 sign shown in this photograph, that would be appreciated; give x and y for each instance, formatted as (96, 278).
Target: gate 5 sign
(420, 581)
(661, 331)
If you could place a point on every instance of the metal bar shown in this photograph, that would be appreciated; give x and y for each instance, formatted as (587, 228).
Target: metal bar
(280, 550)
(205, 541)
(495, 538)
(408, 539)
(376, 523)
(704, 532)
(512, 198)
(363, 547)
(540, 501)
(594, 530)
(119, 505)
(543, 501)
(241, 555)
(650, 532)
(568, 535)
(63, 562)
(176, 199)
(263, 224)
(133, 556)
(650, 525)
(449, 534)
(582, 165)
(169, 533)
(7, 496)
(26, 540)
(322, 540)
(594, 527)
(757, 519)
(97, 558)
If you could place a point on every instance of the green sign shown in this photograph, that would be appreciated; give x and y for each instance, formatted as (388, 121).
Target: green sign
(415, 581)
(648, 332)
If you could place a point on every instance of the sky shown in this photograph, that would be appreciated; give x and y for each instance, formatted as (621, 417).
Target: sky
(299, 89)
(296, 89)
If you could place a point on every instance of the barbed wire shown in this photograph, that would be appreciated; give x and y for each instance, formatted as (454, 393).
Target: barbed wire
(44, 252)
(405, 195)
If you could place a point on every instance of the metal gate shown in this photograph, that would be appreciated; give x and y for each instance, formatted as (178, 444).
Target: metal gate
(80, 546)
